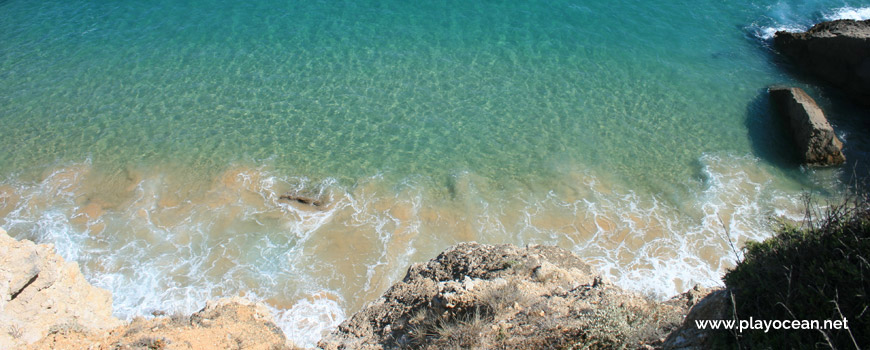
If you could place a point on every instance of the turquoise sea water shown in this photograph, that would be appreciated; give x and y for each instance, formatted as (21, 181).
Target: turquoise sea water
(150, 140)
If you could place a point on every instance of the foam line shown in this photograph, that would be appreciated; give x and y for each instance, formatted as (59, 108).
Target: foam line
(783, 17)
(159, 247)
(856, 13)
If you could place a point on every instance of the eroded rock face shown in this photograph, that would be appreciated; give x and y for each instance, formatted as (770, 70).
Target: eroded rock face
(836, 51)
(46, 303)
(813, 136)
(492, 297)
(470, 296)
(39, 292)
(229, 323)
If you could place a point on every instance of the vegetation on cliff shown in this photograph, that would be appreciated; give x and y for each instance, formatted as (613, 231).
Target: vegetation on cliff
(817, 272)
(478, 296)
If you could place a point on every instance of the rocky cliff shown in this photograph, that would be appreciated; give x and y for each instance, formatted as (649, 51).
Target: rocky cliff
(471, 296)
(476, 296)
(40, 292)
(836, 51)
(231, 323)
(46, 303)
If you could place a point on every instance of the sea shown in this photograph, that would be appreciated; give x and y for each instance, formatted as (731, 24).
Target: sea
(151, 141)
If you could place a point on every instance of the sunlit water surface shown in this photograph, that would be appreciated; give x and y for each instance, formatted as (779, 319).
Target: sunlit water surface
(150, 141)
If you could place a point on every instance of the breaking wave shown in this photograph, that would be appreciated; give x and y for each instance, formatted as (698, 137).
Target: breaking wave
(162, 244)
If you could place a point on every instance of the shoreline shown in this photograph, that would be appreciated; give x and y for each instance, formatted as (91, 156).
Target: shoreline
(251, 325)
(248, 231)
(627, 235)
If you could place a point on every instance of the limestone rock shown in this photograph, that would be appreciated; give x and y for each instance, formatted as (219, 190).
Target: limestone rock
(46, 303)
(492, 297)
(229, 323)
(813, 136)
(39, 291)
(242, 308)
(836, 51)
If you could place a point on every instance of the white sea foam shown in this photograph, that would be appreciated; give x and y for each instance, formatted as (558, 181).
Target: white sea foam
(643, 243)
(782, 18)
(767, 33)
(173, 256)
(856, 13)
(160, 250)
(309, 319)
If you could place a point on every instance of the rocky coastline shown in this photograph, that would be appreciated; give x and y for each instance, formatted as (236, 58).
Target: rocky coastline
(470, 296)
(477, 296)
(46, 303)
(837, 52)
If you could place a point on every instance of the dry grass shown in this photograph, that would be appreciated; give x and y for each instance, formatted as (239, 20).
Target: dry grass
(180, 319)
(151, 343)
(138, 324)
(502, 299)
(67, 328)
(463, 331)
(15, 331)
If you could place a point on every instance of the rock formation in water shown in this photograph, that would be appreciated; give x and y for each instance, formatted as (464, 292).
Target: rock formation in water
(40, 292)
(293, 197)
(813, 136)
(503, 297)
(836, 51)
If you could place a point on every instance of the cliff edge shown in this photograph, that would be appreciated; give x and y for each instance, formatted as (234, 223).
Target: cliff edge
(478, 296)
(471, 296)
(46, 303)
(40, 292)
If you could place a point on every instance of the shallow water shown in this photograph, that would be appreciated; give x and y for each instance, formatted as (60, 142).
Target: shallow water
(150, 142)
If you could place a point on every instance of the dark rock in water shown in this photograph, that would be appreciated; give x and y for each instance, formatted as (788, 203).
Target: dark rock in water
(814, 137)
(836, 51)
(302, 199)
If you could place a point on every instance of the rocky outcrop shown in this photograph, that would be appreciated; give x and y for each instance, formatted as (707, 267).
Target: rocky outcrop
(230, 323)
(40, 292)
(470, 296)
(302, 199)
(813, 136)
(836, 51)
(494, 297)
(46, 303)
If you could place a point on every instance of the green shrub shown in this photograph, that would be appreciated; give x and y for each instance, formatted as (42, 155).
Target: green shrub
(820, 272)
